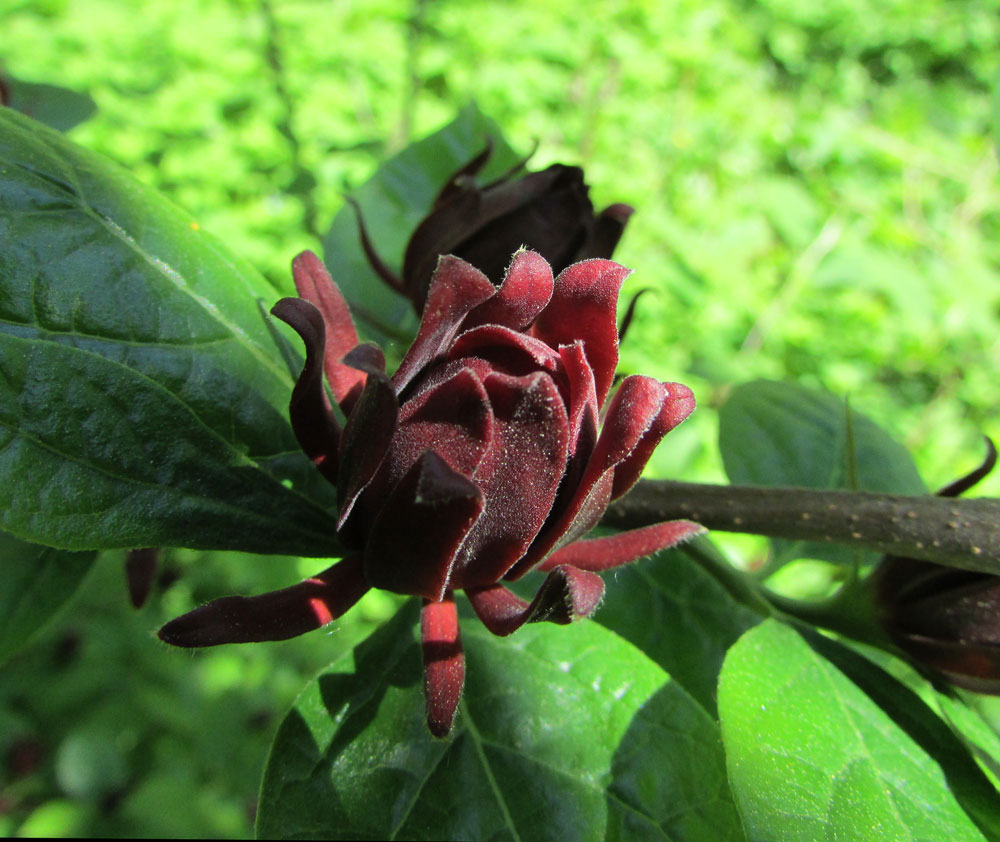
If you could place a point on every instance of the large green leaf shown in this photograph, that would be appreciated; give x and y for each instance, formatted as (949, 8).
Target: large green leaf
(35, 582)
(57, 107)
(811, 756)
(675, 611)
(563, 734)
(144, 399)
(781, 434)
(394, 201)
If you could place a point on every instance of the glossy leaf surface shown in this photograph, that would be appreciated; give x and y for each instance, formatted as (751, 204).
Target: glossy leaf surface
(563, 734)
(141, 386)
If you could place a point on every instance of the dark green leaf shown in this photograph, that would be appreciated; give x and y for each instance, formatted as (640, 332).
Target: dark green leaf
(783, 434)
(811, 756)
(141, 385)
(57, 107)
(394, 201)
(679, 615)
(35, 582)
(563, 734)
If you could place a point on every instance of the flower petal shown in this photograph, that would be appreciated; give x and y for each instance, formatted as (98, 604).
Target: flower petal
(313, 423)
(444, 663)
(973, 666)
(315, 285)
(368, 432)
(609, 226)
(530, 441)
(508, 350)
(417, 534)
(599, 554)
(526, 289)
(140, 571)
(567, 594)
(456, 288)
(583, 306)
(678, 404)
(277, 615)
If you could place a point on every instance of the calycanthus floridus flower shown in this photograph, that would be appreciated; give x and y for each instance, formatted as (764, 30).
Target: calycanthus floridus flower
(481, 458)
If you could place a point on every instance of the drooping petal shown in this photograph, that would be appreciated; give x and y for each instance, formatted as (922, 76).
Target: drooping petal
(368, 432)
(314, 284)
(277, 615)
(417, 533)
(609, 225)
(973, 666)
(313, 423)
(598, 554)
(392, 280)
(678, 404)
(140, 571)
(456, 288)
(567, 594)
(526, 289)
(518, 476)
(583, 307)
(444, 663)
(582, 404)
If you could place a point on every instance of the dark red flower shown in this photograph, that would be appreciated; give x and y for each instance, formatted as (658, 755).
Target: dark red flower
(547, 211)
(479, 459)
(943, 617)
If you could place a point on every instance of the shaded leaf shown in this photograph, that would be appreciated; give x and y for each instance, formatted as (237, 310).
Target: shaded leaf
(563, 733)
(782, 434)
(59, 108)
(811, 756)
(676, 612)
(141, 385)
(35, 582)
(394, 201)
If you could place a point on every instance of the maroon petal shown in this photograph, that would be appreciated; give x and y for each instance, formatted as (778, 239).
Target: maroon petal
(583, 306)
(140, 571)
(633, 410)
(607, 231)
(677, 405)
(417, 534)
(567, 594)
(376, 262)
(454, 418)
(444, 663)
(368, 431)
(582, 404)
(530, 441)
(312, 421)
(526, 289)
(277, 615)
(463, 175)
(605, 553)
(509, 350)
(314, 284)
(973, 666)
(456, 288)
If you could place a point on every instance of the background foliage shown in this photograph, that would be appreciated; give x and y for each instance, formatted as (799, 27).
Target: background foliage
(817, 200)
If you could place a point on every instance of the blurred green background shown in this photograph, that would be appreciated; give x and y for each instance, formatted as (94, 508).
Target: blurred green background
(817, 199)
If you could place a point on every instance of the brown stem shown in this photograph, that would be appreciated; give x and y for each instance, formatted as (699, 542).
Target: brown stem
(957, 533)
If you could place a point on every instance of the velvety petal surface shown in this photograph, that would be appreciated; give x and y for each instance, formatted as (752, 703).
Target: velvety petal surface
(417, 533)
(444, 663)
(368, 432)
(600, 554)
(530, 441)
(526, 289)
(277, 615)
(314, 284)
(508, 350)
(567, 594)
(456, 289)
(312, 421)
(583, 307)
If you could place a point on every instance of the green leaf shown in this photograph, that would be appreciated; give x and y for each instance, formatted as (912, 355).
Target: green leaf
(563, 734)
(675, 611)
(394, 201)
(783, 434)
(35, 582)
(59, 108)
(144, 399)
(811, 756)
